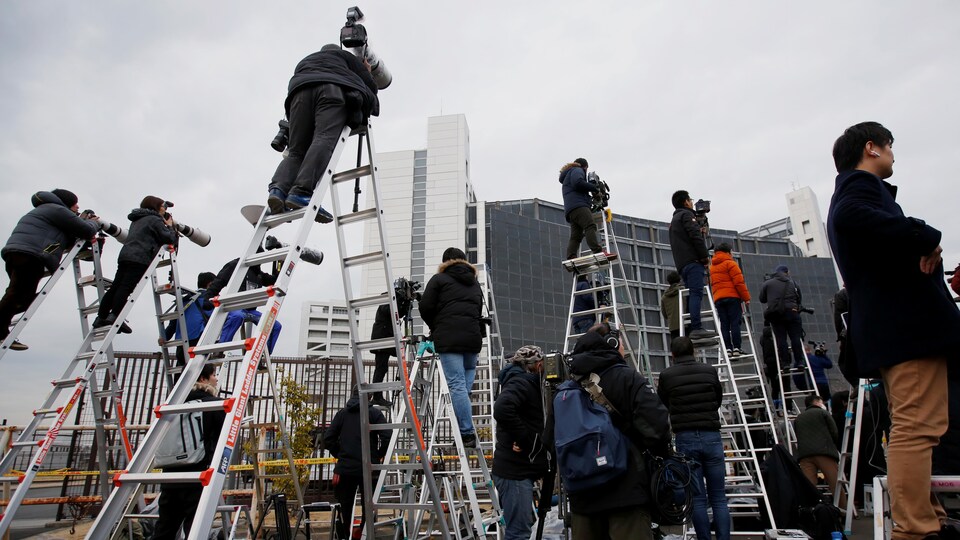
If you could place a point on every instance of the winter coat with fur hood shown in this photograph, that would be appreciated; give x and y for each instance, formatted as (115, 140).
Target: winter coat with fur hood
(147, 233)
(451, 306)
(576, 189)
(47, 230)
(726, 279)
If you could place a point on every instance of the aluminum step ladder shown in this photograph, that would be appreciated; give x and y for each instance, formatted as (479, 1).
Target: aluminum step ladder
(21, 322)
(489, 364)
(612, 295)
(271, 299)
(92, 371)
(789, 408)
(745, 415)
(850, 451)
(176, 311)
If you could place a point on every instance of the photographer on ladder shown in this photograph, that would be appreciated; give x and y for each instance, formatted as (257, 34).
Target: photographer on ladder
(36, 246)
(577, 198)
(691, 258)
(784, 303)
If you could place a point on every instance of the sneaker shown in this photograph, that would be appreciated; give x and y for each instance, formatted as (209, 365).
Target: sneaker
(125, 329)
(17, 346)
(276, 201)
(729, 352)
(700, 333)
(100, 322)
(469, 440)
(296, 202)
(381, 402)
(737, 352)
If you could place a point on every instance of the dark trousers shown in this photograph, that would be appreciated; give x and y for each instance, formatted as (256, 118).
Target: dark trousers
(624, 524)
(25, 272)
(729, 311)
(789, 327)
(178, 505)
(382, 360)
(128, 274)
(693, 278)
(582, 226)
(317, 116)
(345, 490)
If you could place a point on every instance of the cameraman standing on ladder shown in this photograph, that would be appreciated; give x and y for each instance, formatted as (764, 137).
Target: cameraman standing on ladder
(329, 89)
(577, 198)
(784, 302)
(691, 258)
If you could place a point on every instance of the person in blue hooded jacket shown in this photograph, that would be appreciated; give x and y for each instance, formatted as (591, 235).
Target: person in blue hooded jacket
(36, 246)
(903, 325)
(577, 195)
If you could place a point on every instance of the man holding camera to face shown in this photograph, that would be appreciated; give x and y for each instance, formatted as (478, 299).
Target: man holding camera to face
(36, 246)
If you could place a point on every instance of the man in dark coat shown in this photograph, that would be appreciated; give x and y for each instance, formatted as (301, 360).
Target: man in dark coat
(620, 510)
(151, 228)
(195, 316)
(903, 322)
(577, 197)
(521, 456)
(691, 258)
(36, 246)
(178, 502)
(783, 299)
(451, 306)
(383, 327)
(329, 89)
(692, 392)
(342, 439)
(816, 444)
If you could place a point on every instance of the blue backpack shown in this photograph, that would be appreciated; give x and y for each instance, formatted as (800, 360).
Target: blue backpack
(591, 451)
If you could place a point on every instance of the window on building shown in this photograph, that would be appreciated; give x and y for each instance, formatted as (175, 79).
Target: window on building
(806, 226)
(810, 244)
(340, 311)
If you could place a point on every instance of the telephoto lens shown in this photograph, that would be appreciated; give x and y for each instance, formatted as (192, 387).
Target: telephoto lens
(193, 234)
(115, 231)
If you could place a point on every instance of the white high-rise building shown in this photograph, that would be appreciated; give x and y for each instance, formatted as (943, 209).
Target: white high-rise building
(325, 329)
(809, 231)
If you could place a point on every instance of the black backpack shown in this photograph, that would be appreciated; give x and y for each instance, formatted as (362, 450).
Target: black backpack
(821, 521)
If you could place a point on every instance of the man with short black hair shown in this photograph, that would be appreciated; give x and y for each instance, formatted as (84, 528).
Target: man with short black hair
(692, 392)
(691, 258)
(903, 323)
(36, 246)
(577, 197)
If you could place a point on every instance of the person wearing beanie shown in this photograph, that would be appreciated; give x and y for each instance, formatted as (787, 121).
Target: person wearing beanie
(691, 258)
(35, 246)
(577, 198)
(330, 89)
(619, 509)
(151, 227)
(782, 300)
(729, 295)
(521, 456)
(452, 306)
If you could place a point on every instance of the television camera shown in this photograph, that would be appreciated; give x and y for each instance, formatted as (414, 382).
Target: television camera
(700, 209)
(407, 292)
(601, 192)
(556, 367)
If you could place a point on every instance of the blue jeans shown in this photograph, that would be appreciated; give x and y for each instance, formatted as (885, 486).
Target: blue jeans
(235, 320)
(581, 326)
(707, 449)
(516, 501)
(692, 275)
(729, 312)
(460, 370)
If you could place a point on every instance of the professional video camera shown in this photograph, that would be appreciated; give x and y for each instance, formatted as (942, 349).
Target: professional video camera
(353, 35)
(115, 231)
(193, 234)
(279, 143)
(601, 192)
(556, 367)
(819, 347)
(700, 209)
(407, 292)
(307, 255)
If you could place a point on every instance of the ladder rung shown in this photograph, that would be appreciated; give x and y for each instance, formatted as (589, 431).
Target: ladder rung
(354, 217)
(185, 408)
(286, 217)
(604, 309)
(403, 506)
(384, 427)
(65, 383)
(158, 478)
(364, 258)
(351, 174)
(166, 288)
(90, 310)
(382, 343)
(395, 466)
(21, 444)
(267, 256)
(169, 316)
(243, 345)
(370, 388)
(164, 263)
(246, 299)
(367, 301)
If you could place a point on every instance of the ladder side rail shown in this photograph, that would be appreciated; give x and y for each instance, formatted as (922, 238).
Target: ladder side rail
(176, 289)
(568, 332)
(86, 382)
(641, 363)
(41, 295)
(757, 353)
(855, 456)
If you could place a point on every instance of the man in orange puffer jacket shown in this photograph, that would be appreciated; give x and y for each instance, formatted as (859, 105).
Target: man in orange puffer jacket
(729, 290)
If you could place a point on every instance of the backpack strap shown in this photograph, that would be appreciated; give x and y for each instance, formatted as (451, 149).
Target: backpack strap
(590, 383)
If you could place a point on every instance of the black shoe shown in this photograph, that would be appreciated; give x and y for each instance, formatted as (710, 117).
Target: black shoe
(125, 329)
(700, 333)
(469, 440)
(17, 346)
(381, 402)
(100, 322)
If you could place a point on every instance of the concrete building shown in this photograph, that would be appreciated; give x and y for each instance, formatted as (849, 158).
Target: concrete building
(325, 329)
(803, 225)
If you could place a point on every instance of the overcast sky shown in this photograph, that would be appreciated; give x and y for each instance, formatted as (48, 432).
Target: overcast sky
(734, 101)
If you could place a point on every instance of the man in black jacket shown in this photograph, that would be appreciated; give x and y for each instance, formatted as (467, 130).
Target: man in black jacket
(36, 246)
(691, 258)
(521, 457)
(178, 502)
(693, 394)
(451, 306)
(577, 197)
(329, 89)
(383, 327)
(342, 439)
(783, 299)
(620, 510)
(816, 444)
(903, 322)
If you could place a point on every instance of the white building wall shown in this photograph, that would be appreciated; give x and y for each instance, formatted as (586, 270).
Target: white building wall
(809, 230)
(324, 329)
